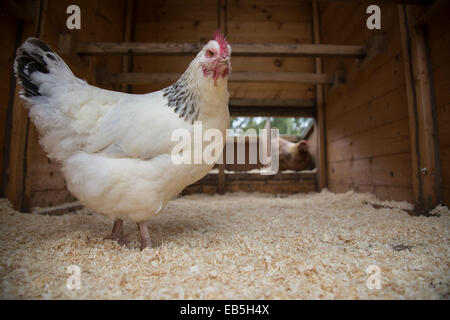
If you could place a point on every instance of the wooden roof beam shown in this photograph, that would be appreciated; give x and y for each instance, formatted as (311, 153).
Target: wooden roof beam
(103, 76)
(239, 49)
(244, 111)
(273, 107)
(262, 103)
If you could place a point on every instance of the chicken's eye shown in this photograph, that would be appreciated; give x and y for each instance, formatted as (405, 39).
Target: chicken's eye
(210, 53)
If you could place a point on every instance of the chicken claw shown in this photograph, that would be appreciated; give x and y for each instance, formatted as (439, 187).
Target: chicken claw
(117, 233)
(146, 242)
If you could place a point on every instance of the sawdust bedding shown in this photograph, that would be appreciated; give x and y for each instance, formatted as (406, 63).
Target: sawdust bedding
(236, 246)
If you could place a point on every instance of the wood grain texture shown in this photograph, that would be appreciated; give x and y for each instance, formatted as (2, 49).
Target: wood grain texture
(367, 118)
(439, 41)
(239, 49)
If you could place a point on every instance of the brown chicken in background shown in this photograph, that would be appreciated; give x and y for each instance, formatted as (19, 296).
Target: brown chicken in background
(295, 156)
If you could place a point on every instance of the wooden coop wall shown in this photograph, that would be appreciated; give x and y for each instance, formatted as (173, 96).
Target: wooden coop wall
(367, 122)
(439, 39)
(367, 125)
(367, 128)
(244, 21)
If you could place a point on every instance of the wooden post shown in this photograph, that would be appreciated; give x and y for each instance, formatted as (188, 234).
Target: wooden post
(319, 122)
(222, 26)
(221, 178)
(222, 11)
(128, 34)
(32, 134)
(17, 186)
(422, 113)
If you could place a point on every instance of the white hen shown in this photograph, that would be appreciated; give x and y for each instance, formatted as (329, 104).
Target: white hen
(115, 148)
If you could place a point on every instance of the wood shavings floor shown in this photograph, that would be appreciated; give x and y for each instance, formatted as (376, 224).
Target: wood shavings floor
(237, 246)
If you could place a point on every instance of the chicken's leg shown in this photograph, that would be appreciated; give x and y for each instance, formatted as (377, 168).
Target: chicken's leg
(117, 233)
(146, 242)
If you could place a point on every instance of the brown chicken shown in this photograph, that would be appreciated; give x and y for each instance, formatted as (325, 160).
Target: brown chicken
(295, 156)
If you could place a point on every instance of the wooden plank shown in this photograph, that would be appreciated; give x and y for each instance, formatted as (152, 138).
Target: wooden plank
(60, 209)
(389, 170)
(31, 131)
(128, 34)
(423, 122)
(298, 50)
(222, 16)
(221, 182)
(444, 125)
(272, 107)
(239, 49)
(145, 77)
(302, 77)
(244, 111)
(291, 103)
(382, 192)
(369, 84)
(271, 90)
(320, 124)
(15, 187)
(9, 42)
(445, 161)
(391, 138)
(49, 198)
(374, 114)
(441, 80)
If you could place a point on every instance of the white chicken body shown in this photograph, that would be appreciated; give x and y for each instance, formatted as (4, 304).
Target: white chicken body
(137, 186)
(116, 148)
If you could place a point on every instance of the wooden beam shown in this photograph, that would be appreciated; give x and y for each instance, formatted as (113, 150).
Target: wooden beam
(376, 45)
(320, 124)
(239, 49)
(149, 77)
(60, 209)
(263, 103)
(272, 107)
(299, 50)
(222, 16)
(426, 172)
(244, 111)
(128, 34)
(303, 77)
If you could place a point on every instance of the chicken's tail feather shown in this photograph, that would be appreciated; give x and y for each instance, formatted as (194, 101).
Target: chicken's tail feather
(36, 56)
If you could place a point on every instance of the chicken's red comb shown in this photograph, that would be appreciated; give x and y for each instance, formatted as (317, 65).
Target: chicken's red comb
(222, 41)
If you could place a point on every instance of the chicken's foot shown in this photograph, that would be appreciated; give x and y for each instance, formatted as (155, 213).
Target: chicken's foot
(117, 233)
(146, 242)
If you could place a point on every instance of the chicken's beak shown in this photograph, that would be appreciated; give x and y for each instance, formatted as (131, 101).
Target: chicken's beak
(225, 61)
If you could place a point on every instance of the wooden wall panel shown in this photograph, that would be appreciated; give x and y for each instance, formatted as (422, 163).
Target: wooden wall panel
(368, 143)
(285, 21)
(439, 41)
(8, 25)
(171, 21)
